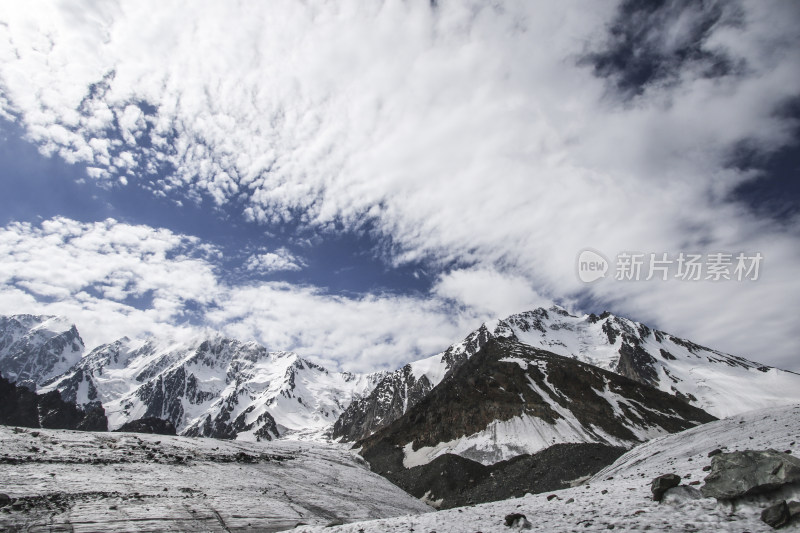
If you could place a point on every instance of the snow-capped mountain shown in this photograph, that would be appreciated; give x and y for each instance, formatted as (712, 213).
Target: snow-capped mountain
(719, 383)
(212, 387)
(510, 399)
(34, 349)
(402, 389)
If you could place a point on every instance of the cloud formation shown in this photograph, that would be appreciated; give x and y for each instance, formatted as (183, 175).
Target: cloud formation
(502, 139)
(116, 279)
(278, 261)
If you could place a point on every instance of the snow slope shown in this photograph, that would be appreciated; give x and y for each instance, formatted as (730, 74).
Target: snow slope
(35, 348)
(79, 481)
(619, 496)
(719, 383)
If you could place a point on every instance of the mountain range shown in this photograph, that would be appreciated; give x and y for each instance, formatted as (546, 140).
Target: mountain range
(510, 390)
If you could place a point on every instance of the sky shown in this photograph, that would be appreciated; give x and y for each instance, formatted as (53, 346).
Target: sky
(365, 182)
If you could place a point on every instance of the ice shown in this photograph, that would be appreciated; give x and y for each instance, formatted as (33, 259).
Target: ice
(80, 481)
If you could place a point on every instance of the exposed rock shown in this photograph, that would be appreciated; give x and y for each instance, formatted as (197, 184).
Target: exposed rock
(401, 390)
(5, 499)
(776, 515)
(748, 472)
(517, 520)
(661, 484)
(794, 508)
(714, 452)
(455, 481)
(149, 425)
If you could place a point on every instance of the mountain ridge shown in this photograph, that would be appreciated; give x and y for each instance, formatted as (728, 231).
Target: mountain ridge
(719, 383)
(210, 385)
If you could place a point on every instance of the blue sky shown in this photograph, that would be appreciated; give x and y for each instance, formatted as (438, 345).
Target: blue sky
(288, 173)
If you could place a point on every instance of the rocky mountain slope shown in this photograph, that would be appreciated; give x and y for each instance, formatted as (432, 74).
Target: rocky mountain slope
(511, 400)
(399, 391)
(34, 349)
(718, 383)
(212, 387)
(77, 481)
(619, 497)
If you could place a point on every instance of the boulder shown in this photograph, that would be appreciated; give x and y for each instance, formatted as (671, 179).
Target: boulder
(776, 515)
(517, 520)
(5, 499)
(749, 472)
(660, 485)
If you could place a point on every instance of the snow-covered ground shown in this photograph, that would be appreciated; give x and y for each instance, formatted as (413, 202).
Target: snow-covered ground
(76, 481)
(618, 498)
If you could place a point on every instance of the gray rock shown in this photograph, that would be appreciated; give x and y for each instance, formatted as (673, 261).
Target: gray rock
(660, 485)
(794, 508)
(749, 472)
(516, 520)
(5, 499)
(776, 515)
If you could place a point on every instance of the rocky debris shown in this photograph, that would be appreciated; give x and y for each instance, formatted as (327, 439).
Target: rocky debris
(749, 472)
(148, 425)
(662, 483)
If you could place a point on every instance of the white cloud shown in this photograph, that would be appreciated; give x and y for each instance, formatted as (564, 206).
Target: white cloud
(481, 140)
(280, 260)
(88, 272)
(489, 291)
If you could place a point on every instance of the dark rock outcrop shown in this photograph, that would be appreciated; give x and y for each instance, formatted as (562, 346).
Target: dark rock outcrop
(20, 406)
(153, 425)
(453, 481)
(749, 472)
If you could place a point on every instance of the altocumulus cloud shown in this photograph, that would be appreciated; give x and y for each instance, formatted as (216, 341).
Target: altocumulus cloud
(277, 261)
(500, 138)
